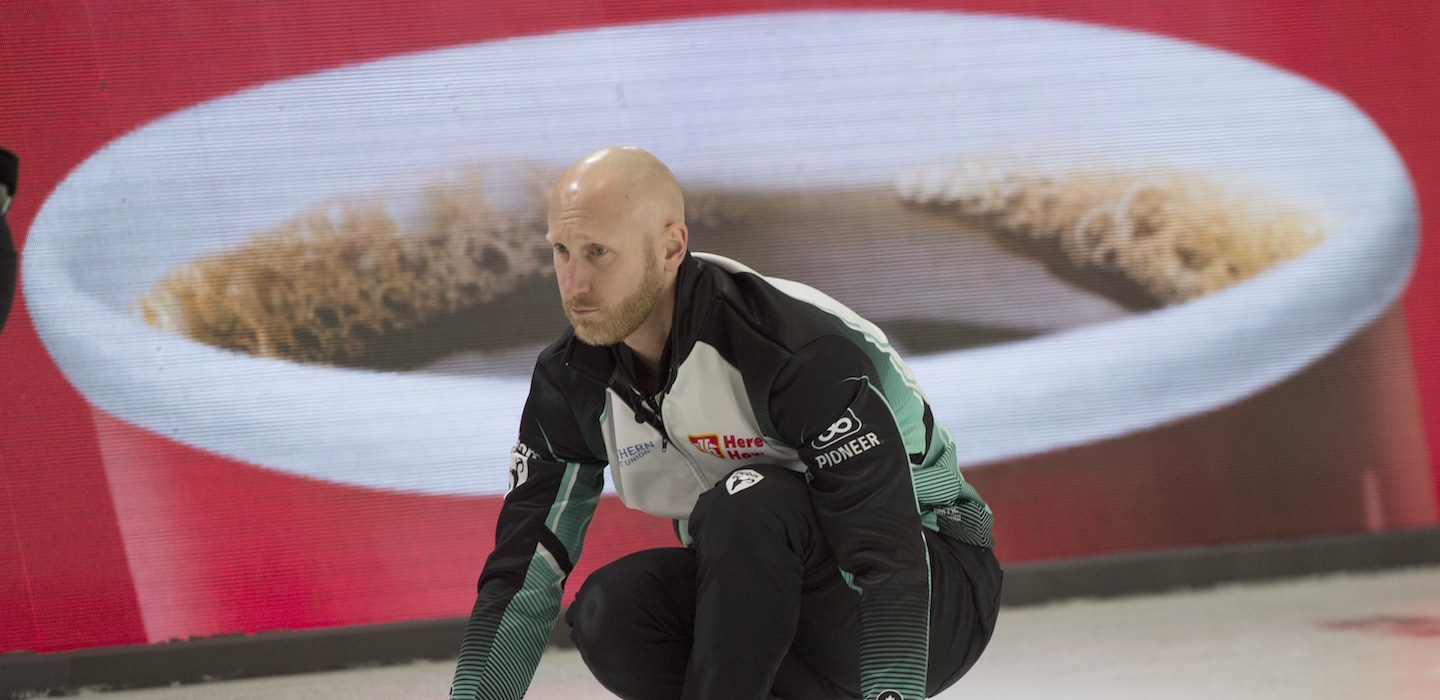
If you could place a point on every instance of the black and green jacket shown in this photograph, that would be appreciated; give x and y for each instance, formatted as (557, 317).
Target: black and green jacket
(759, 370)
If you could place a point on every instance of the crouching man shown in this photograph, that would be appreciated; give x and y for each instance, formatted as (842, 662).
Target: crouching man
(832, 547)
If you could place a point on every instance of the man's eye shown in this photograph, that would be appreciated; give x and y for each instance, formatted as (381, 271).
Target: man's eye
(599, 250)
(559, 248)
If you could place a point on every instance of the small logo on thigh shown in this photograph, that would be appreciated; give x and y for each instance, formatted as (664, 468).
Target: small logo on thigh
(742, 479)
(890, 695)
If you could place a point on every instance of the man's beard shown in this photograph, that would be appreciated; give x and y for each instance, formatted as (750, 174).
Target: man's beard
(618, 321)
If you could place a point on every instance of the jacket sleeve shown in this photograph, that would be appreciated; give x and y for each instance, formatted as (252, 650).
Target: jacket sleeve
(827, 403)
(555, 483)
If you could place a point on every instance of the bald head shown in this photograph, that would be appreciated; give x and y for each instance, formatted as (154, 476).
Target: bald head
(620, 184)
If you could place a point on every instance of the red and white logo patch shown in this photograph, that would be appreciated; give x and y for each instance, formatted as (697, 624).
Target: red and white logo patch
(709, 444)
(729, 446)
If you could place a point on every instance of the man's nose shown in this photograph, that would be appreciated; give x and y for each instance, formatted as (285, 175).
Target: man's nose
(574, 279)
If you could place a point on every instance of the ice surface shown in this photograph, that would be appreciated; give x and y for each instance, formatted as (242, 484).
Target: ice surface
(1373, 636)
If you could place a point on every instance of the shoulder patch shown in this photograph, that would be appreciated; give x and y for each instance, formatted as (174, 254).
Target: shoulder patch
(844, 427)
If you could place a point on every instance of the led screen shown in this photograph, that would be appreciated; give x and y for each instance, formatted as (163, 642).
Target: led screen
(1159, 270)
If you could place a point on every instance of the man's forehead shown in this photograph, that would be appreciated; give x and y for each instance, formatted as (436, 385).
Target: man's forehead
(579, 225)
(599, 195)
(592, 213)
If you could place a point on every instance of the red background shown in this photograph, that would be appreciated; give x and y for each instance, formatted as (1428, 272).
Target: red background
(75, 75)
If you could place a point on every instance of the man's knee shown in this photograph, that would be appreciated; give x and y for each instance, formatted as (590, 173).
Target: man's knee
(657, 581)
(633, 619)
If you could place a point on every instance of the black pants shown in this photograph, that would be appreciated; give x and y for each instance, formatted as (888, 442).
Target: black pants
(757, 608)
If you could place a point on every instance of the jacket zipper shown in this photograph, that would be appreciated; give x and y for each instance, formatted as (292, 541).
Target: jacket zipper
(650, 413)
(694, 467)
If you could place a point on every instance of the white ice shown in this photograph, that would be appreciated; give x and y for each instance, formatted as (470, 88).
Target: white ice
(1238, 642)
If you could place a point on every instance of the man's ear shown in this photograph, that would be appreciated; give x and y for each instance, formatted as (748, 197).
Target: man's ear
(677, 241)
